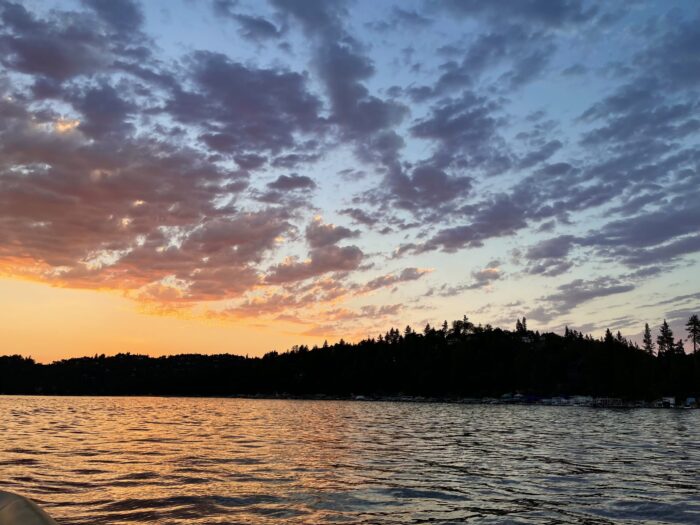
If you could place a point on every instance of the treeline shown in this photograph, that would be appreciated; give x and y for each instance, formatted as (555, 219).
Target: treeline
(457, 360)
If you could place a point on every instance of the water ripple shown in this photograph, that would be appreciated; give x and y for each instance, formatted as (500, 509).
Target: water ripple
(206, 461)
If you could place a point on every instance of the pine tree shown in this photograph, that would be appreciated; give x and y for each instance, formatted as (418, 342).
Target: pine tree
(648, 342)
(665, 339)
(679, 348)
(693, 327)
(608, 337)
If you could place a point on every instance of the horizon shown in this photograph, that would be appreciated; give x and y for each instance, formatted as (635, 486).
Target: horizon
(685, 337)
(242, 177)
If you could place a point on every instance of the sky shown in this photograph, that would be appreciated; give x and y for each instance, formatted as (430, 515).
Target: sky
(242, 176)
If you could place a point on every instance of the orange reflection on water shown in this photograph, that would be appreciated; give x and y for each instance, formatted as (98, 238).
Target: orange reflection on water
(184, 460)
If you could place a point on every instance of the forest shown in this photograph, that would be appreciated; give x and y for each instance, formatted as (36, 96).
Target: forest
(450, 361)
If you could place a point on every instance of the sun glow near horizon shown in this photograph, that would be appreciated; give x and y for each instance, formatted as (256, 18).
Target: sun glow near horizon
(49, 323)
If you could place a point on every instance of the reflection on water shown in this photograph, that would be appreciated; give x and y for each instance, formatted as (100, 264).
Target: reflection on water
(156, 460)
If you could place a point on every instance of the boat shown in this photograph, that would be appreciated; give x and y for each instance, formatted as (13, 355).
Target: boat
(18, 510)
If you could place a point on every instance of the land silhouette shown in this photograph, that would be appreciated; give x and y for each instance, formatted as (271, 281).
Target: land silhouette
(457, 360)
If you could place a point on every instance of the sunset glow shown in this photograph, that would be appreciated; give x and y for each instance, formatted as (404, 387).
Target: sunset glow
(240, 177)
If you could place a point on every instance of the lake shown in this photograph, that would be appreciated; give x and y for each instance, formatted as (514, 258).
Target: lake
(205, 461)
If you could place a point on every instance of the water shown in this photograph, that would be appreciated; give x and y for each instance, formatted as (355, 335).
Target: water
(206, 461)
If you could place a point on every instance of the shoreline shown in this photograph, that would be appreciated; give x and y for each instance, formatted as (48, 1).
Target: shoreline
(558, 401)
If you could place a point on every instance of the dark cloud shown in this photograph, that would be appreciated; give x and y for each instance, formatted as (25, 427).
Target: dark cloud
(523, 51)
(321, 260)
(343, 68)
(257, 28)
(68, 44)
(292, 182)
(550, 257)
(481, 278)
(409, 17)
(499, 216)
(541, 12)
(674, 56)
(124, 16)
(427, 185)
(292, 160)
(575, 70)
(540, 155)
(572, 294)
(360, 216)
(401, 19)
(407, 274)
(649, 229)
(60, 48)
(320, 234)
(104, 112)
(355, 110)
(249, 109)
(137, 215)
(467, 128)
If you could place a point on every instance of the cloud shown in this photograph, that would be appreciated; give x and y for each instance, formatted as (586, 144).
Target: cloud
(185, 174)
(360, 216)
(468, 126)
(407, 274)
(481, 278)
(550, 257)
(497, 217)
(124, 16)
(60, 48)
(245, 109)
(292, 182)
(321, 260)
(399, 19)
(257, 28)
(574, 293)
(319, 234)
(131, 216)
(547, 14)
(540, 155)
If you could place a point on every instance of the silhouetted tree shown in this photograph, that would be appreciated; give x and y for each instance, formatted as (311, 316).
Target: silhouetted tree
(647, 340)
(470, 361)
(664, 341)
(608, 339)
(679, 348)
(693, 327)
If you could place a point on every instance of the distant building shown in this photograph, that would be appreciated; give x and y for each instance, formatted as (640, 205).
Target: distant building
(608, 402)
(581, 400)
(668, 402)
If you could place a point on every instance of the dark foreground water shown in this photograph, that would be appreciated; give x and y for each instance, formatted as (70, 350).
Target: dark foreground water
(197, 461)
